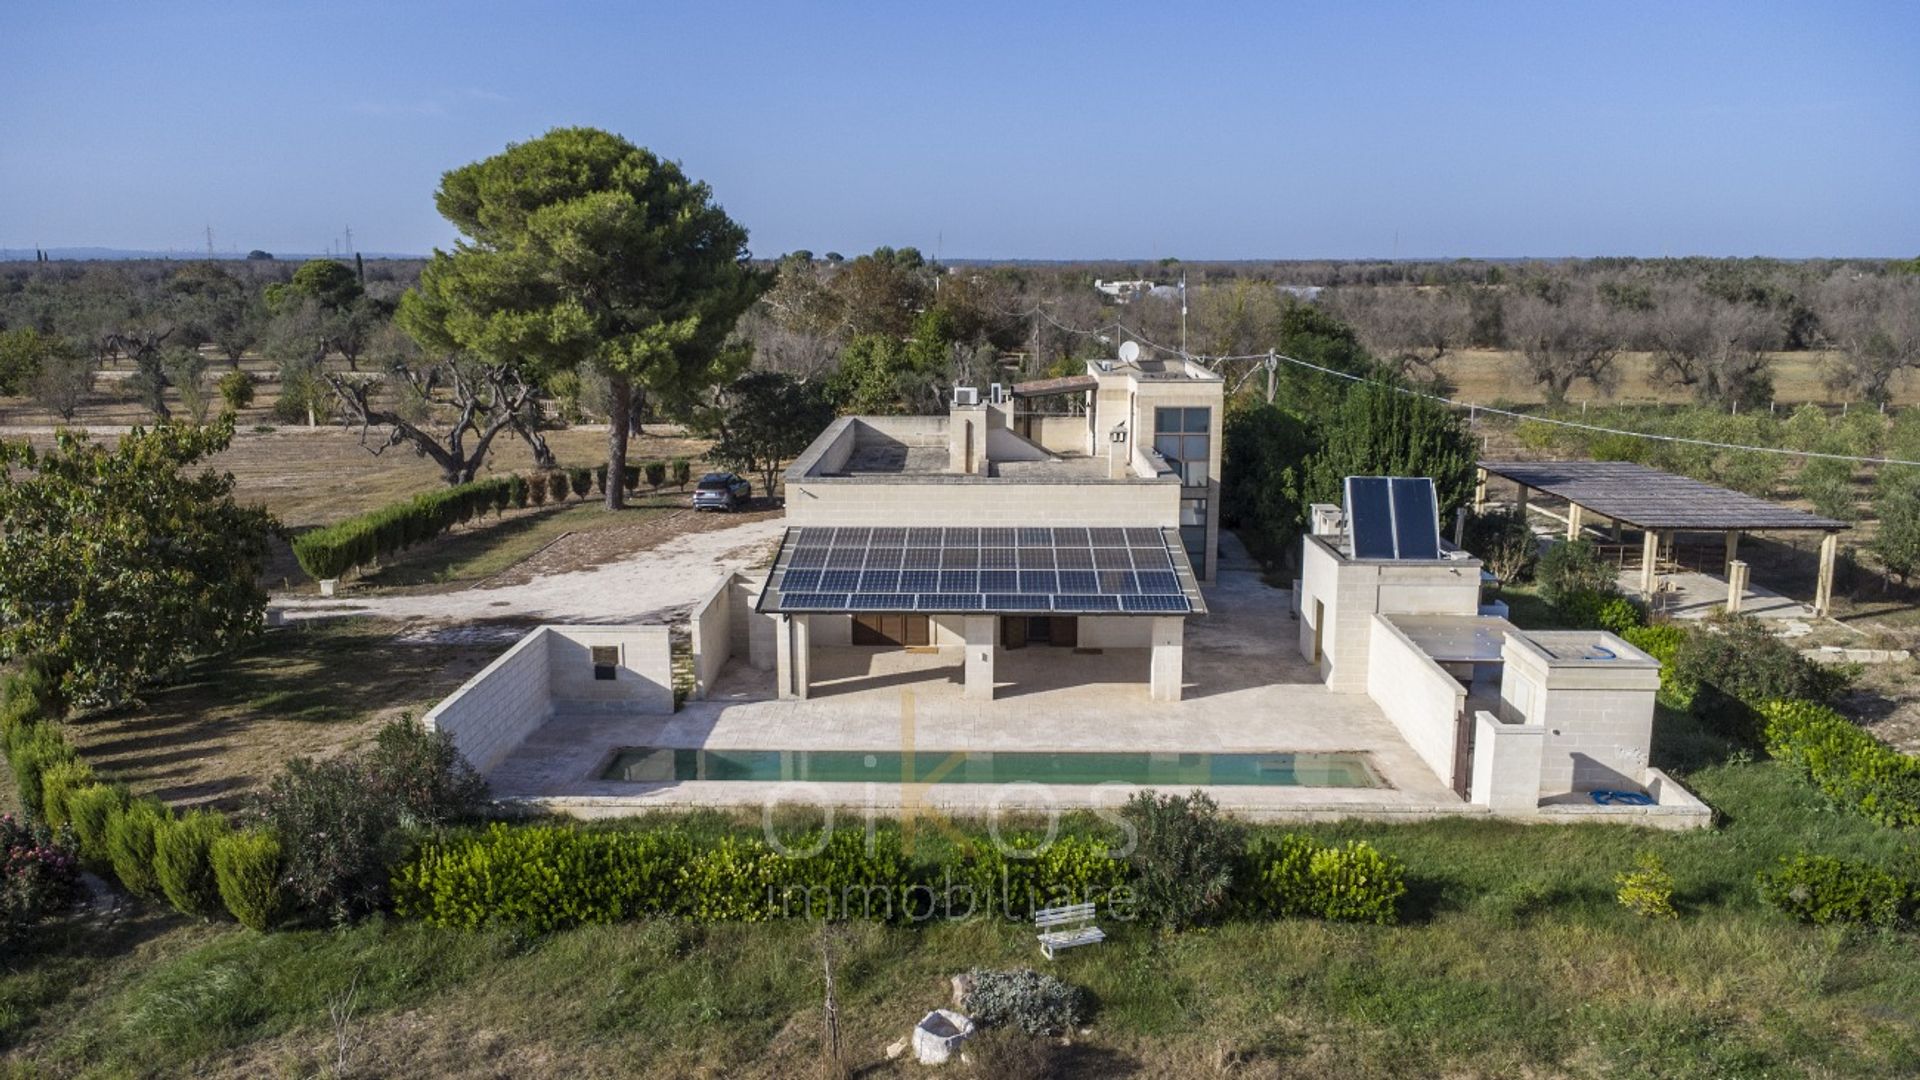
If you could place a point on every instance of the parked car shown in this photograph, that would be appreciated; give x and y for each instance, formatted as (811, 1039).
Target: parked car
(721, 491)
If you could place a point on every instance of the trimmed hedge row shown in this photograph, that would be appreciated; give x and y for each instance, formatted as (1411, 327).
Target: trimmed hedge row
(332, 551)
(541, 878)
(1848, 765)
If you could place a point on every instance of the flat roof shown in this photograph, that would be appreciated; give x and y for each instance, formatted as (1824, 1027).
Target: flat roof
(982, 570)
(1456, 639)
(1650, 499)
(1069, 384)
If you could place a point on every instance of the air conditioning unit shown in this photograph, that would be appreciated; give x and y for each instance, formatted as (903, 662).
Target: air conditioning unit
(966, 395)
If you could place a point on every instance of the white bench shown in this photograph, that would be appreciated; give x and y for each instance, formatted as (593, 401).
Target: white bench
(1065, 927)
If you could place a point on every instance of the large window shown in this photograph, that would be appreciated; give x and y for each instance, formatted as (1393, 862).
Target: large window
(1180, 435)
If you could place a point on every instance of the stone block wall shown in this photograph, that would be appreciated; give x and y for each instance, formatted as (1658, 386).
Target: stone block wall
(496, 710)
(642, 679)
(1423, 702)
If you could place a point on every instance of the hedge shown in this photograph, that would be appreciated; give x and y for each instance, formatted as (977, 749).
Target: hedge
(246, 870)
(131, 833)
(1293, 876)
(32, 749)
(1823, 889)
(88, 810)
(182, 862)
(1849, 766)
(331, 552)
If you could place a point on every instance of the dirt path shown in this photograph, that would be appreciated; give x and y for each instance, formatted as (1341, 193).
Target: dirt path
(647, 586)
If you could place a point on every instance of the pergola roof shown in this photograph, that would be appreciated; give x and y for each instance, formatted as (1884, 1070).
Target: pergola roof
(1650, 499)
(1068, 384)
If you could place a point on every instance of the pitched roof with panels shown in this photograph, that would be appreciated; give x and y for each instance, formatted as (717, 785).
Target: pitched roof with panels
(1650, 499)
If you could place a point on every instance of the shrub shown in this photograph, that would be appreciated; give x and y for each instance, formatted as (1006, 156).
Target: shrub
(1292, 876)
(1848, 766)
(130, 845)
(1034, 1003)
(246, 870)
(656, 473)
(1647, 890)
(39, 877)
(581, 479)
(600, 479)
(1571, 567)
(630, 477)
(537, 489)
(236, 390)
(58, 782)
(1618, 614)
(1735, 665)
(557, 486)
(331, 552)
(846, 877)
(1504, 542)
(336, 840)
(88, 811)
(502, 496)
(1582, 608)
(732, 881)
(541, 878)
(1021, 873)
(29, 695)
(517, 491)
(1183, 857)
(1662, 642)
(1357, 883)
(31, 750)
(182, 862)
(421, 774)
(1823, 889)
(682, 472)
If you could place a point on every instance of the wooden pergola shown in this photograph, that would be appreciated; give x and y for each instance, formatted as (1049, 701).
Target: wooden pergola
(1661, 504)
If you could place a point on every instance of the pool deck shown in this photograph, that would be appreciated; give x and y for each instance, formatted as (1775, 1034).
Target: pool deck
(1247, 691)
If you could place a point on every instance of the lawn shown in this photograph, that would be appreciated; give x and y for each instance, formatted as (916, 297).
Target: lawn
(308, 689)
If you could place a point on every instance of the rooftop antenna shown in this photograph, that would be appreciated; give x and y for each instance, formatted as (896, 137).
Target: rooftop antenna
(349, 239)
(209, 241)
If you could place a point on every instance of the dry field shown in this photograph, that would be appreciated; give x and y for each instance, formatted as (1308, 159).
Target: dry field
(1488, 376)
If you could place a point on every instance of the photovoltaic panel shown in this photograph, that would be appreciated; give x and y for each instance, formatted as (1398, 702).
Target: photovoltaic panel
(995, 568)
(1039, 581)
(1079, 581)
(1416, 518)
(1158, 581)
(999, 580)
(1370, 517)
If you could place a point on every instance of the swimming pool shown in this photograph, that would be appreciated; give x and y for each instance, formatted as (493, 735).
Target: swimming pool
(665, 764)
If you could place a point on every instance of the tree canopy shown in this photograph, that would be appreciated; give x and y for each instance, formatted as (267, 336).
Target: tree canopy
(581, 248)
(117, 565)
(763, 419)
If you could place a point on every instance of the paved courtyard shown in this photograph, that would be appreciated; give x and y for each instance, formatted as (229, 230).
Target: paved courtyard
(1247, 690)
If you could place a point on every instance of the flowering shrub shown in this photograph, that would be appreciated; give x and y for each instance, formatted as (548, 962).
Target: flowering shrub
(39, 876)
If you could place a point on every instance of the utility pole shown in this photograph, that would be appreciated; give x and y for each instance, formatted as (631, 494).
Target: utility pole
(349, 239)
(1183, 314)
(209, 241)
(1273, 364)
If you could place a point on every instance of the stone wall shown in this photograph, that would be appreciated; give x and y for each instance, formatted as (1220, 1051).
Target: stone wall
(496, 710)
(642, 679)
(711, 627)
(942, 500)
(1423, 702)
(1350, 592)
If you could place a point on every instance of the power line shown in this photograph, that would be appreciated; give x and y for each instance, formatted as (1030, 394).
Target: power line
(1477, 408)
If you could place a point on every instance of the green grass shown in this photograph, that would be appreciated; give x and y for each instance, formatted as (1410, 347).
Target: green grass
(1514, 959)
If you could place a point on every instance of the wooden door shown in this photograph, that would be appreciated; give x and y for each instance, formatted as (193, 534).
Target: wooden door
(886, 628)
(1064, 630)
(1463, 754)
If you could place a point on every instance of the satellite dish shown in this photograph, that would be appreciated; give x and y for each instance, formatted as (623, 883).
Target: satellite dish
(1129, 352)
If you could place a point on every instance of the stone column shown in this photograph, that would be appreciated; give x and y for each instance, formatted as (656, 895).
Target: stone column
(791, 658)
(802, 655)
(978, 633)
(1733, 548)
(1479, 491)
(1573, 520)
(783, 656)
(1169, 656)
(1736, 585)
(1649, 563)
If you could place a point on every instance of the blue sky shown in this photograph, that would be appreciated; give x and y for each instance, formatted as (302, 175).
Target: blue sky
(1028, 130)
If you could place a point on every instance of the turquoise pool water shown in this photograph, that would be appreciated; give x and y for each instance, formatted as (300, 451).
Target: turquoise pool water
(662, 765)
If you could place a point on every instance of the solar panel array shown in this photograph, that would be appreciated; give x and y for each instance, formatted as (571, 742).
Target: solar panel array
(984, 569)
(1393, 517)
